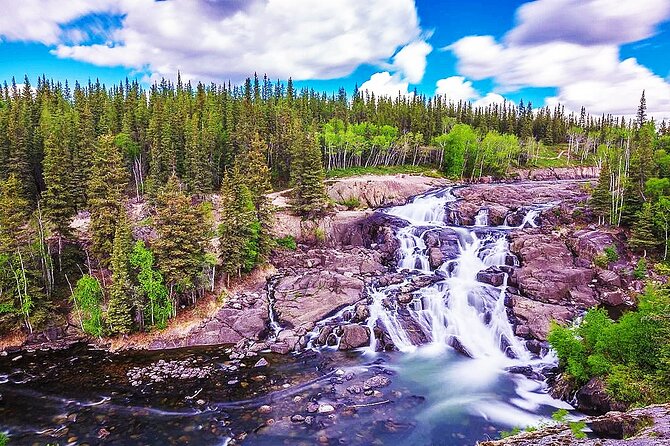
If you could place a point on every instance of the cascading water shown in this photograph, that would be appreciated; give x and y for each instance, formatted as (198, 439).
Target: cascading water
(458, 310)
(482, 218)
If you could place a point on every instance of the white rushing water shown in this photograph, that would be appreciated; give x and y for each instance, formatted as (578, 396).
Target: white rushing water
(457, 310)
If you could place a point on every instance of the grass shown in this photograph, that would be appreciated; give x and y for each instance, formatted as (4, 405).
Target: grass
(548, 157)
(385, 170)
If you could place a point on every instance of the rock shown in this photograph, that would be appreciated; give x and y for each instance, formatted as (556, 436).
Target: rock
(261, 363)
(493, 276)
(312, 407)
(534, 318)
(376, 382)
(326, 409)
(593, 399)
(588, 244)
(619, 425)
(548, 273)
(614, 298)
(608, 278)
(354, 336)
(264, 409)
(435, 257)
(297, 418)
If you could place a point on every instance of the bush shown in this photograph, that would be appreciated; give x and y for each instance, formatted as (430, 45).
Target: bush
(601, 261)
(632, 354)
(640, 271)
(612, 254)
(287, 242)
(351, 203)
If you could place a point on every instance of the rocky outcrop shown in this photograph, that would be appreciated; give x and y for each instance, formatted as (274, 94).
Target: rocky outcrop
(374, 191)
(548, 273)
(647, 426)
(534, 318)
(243, 317)
(556, 173)
(512, 200)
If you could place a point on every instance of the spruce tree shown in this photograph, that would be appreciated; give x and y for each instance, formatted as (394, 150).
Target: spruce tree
(107, 185)
(255, 173)
(601, 199)
(239, 230)
(14, 209)
(59, 197)
(119, 307)
(642, 233)
(307, 174)
(182, 234)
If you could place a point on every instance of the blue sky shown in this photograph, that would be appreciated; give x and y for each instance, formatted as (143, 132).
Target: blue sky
(596, 53)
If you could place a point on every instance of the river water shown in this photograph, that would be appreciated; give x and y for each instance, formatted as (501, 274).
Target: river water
(458, 374)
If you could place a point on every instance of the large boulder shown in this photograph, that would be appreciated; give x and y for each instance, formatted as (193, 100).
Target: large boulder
(548, 273)
(593, 399)
(533, 319)
(354, 336)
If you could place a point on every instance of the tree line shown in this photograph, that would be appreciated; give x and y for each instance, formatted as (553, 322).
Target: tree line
(202, 159)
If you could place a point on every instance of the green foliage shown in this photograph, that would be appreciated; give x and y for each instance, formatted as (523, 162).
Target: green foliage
(611, 254)
(640, 271)
(179, 248)
(408, 169)
(119, 307)
(151, 285)
(4, 439)
(287, 242)
(87, 297)
(351, 203)
(308, 197)
(628, 354)
(515, 431)
(601, 260)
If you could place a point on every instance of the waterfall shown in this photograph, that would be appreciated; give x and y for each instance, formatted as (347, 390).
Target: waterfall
(482, 218)
(457, 310)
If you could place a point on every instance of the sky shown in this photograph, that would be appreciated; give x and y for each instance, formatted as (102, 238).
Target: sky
(600, 54)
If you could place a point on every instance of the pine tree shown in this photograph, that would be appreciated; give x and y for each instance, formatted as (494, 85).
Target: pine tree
(109, 179)
(642, 233)
(59, 197)
(601, 199)
(119, 307)
(182, 235)
(13, 214)
(642, 111)
(256, 176)
(239, 231)
(307, 175)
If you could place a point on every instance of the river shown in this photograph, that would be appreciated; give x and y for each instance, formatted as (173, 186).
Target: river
(457, 374)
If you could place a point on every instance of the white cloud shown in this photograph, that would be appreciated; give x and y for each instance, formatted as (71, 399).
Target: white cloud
(305, 39)
(41, 20)
(411, 60)
(587, 22)
(456, 88)
(584, 65)
(385, 84)
(490, 98)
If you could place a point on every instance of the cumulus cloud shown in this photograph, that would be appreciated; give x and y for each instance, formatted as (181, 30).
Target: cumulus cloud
(43, 20)
(305, 39)
(587, 22)
(583, 61)
(411, 60)
(385, 84)
(456, 88)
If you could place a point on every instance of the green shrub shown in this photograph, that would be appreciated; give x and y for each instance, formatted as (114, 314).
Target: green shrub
(612, 254)
(632, 354)
(601, 260)
(4, 439)
(319, 234)
(287, 242)
(640, 271)
(351, 203)
(662, 268)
